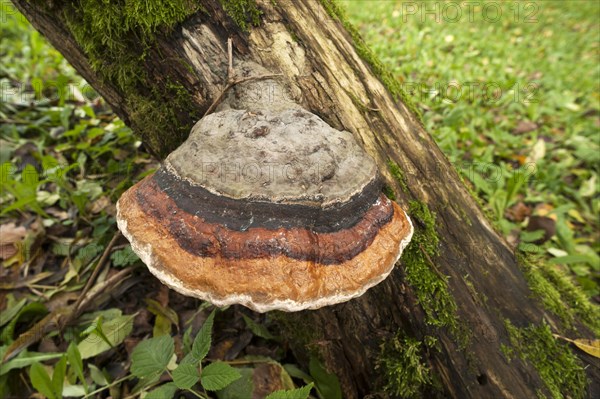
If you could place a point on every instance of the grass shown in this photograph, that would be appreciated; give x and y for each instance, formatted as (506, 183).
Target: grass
(530, 150)
(513, 99)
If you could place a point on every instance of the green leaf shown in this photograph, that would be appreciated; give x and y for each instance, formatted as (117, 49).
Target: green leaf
(74, 358)
(571, 259)
(165, 391)
(114, 331)
(187, 340)
(203, 339)
(97, 375)
(58, 376)
(295, 372)
(327, 383)
(165, 316)
(41, 381)
(189, 359)
(257, 329)
(27, 312)
(7, 314)
(25, 359)
(242, 388)
(530, 236)
(299, 393)
(218, 375)
(76, 391)
(124, 257)
(185, 376)
(151, 357)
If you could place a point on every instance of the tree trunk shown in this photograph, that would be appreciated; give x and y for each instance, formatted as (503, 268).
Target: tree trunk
(460, 301)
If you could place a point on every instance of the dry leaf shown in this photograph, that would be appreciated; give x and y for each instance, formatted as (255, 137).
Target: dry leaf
(544, 209)
(589, 346)
(100, 204)
(537, 152)
(525, 127)
(547, 224)
(267, 378)
(518, 212)
(10, 238)
(57, 213)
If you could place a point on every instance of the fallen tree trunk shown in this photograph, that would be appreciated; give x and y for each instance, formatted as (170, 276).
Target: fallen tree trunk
(459, 304)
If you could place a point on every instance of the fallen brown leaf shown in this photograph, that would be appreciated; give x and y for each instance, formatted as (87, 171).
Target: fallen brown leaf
(267, 378)
(589, 346)
(548, 225)
(98, 205)
(10, 238)
(525, 127)
(518, 212)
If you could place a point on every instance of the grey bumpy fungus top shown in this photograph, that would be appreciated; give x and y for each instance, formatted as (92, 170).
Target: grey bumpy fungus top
(286, 157)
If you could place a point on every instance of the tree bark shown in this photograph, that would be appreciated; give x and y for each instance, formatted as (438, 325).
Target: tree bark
(324, 70)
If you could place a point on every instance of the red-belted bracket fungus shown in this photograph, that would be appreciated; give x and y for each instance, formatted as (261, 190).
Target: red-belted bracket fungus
(268, 209)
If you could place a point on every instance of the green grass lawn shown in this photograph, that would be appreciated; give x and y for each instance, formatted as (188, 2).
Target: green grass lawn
(510, 91)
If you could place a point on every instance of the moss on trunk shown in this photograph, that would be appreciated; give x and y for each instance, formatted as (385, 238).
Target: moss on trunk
(556, 364)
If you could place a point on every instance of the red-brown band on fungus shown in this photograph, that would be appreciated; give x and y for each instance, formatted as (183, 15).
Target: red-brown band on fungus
(316, 237)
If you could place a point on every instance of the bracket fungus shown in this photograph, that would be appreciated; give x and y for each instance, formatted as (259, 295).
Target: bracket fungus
(268, 209)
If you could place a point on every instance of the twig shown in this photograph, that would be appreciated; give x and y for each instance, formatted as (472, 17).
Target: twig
(114, 280)
(99, 266)
(115, 382)
(230, 71)
(231, 80)
(236, 82)
(435, 269)
(61, 317)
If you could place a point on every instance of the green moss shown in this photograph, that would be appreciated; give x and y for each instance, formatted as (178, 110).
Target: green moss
(559, 295)
(243, 12)
(379, 69)
(389, 192)
(404, 372)
(305, 335)
(162, 125)
(293, 34)
(117, 34)
(431, 286)
(557, 366)
(357, 102)
(398, 175)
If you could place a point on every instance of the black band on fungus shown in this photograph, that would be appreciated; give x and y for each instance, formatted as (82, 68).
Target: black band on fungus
(236, 214)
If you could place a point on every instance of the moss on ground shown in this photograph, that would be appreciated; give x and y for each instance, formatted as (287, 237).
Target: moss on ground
(557, 366)
(379, 69)
(243, 12)
(404, 372)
